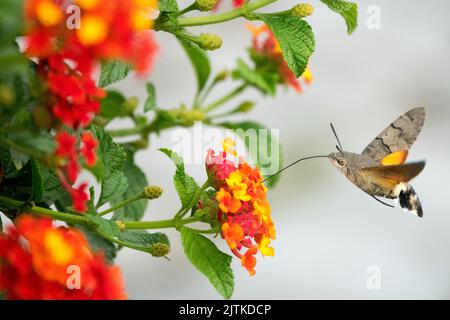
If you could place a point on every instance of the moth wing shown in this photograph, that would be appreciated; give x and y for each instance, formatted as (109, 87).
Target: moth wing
(389, 176)
(399, 135)
(395, 158)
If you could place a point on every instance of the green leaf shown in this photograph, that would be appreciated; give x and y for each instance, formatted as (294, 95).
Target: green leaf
(259, 148)
(37, 189)
(150, 102)
(7, 163)
(295, 37)
(137, 181)
(200, 62)
(38, 141)
(113, 71)
(98, 243)
(348, 10)
(51, 186)
(112, 105)
(252, 77)
(185, 184)
(168, 6)
(103, 225)
(110, 160)
(157, 244)
(209, 260)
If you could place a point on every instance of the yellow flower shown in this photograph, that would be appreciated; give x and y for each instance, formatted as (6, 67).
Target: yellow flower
(48, 13)
(93, 30)
(228, 146)
(264, 247)
(239, 189)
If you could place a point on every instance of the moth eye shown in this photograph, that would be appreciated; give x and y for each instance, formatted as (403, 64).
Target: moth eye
(341, 162)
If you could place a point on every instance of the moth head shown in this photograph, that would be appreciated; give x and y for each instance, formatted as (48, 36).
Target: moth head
(338, 160)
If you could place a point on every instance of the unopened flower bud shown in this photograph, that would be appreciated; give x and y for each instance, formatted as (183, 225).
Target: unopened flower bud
(121, 225)
(245, 106)
(160, 249)
(6, 96)
(153, 192)
(42, 117)
(206, 5)
(131, 104)
(209, 41)
(222, 75)
(141, 143)
(302, 10)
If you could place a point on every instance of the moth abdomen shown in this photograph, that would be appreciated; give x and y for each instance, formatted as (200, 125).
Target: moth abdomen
(409, 201)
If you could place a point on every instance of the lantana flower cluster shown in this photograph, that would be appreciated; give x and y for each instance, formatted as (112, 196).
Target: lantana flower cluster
(266, 45)
(244, 212)
(67, 49)
(41, 261)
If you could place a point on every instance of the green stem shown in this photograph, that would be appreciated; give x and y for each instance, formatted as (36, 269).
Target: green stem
(139, 196)
(222, 17)
(225, 98)
(20, 148)
(191, 7)
(195, 198)
(161, 224)
(128, 131)
(62, 216)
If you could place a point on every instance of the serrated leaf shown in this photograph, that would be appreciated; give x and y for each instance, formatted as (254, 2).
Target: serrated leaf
(252, 77)
(150, 102)
(348, 10)
(295, 37)
(110, 159)
(51, 186)
(36, 189)
(168, 5)
(113, 71)
(200, 62)
(157, 244)
(98, 243)
(105, 226)
(185, 184)
(112, 105)
(137, 181)
(209, 260)
(260, 152)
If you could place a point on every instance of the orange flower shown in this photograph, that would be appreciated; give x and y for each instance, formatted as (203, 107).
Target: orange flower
(249, 261)
(244, 211)
(43, 268)
(266, 45)
(226, 202)
(233, 234)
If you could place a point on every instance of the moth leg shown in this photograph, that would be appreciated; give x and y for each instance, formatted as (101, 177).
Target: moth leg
(381, 201)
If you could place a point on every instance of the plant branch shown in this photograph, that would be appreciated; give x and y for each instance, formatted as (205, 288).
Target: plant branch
(225, 98)
(242, 11)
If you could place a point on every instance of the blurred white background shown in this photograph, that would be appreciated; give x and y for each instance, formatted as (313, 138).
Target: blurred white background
(328, 232)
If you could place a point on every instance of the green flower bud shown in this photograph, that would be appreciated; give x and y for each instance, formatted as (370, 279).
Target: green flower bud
(131, 104)
(209, 41)
(206, 5)
(153, 192)
(42, 117)
(6, 96)
(245, 106)
(160, 250)
(222, 75)
(302, 10)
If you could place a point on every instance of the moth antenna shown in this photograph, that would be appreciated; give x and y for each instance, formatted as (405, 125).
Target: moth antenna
(290, 165)
(336, 136)
(381, 201)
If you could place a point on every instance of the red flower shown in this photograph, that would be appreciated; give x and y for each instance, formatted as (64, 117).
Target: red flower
(88, 148)
(80, 197)
(41, 267)
(65, 144)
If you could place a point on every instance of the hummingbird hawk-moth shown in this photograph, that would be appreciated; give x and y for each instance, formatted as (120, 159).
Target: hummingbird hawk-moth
(380, 169)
